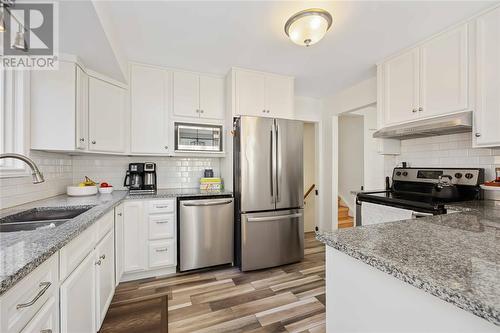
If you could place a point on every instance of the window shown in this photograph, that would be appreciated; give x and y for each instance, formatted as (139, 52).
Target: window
(14, 101)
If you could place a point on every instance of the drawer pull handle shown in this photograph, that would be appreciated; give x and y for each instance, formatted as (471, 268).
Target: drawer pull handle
(45, 285)
(102, 257)
(211, 203)
(46, 331)
(162, 250)
(162, 206)
(98, 262)
(162, 222)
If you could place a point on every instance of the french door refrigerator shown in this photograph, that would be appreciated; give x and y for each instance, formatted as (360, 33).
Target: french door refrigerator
(268, 184)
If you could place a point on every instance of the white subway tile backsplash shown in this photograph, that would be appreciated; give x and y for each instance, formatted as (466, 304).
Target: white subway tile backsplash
(454, 150)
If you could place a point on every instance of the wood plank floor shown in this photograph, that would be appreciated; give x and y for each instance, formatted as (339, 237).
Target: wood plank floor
(288, 298)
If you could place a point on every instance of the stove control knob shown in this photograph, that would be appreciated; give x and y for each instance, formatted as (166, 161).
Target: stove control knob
(469, 175)
(458, 175)
(398, 173)
(405, 173)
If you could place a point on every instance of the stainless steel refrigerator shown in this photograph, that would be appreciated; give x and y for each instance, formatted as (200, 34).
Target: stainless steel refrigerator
(268, 187)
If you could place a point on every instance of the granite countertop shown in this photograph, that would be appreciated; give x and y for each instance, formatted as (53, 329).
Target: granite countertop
(21, 252)
(455, 257)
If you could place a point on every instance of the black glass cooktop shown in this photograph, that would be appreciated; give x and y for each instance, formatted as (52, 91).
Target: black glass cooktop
(408, 200)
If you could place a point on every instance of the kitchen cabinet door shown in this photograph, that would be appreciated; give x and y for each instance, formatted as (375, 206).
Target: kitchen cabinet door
(134, 237)
(186, 94)
(46, 320)
(118, 243)
(211, 97)
(77, 294)
(105, 276)
(279, 96)
(401, 88)
(250, 93)
(444, 74)
(106, 116)
(150, 96)
(487, 112)
(82, 109)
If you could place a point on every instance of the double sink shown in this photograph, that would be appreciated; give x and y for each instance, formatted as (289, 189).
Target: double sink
(40, 218)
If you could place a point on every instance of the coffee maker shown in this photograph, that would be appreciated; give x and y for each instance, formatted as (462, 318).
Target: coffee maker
(141, 178)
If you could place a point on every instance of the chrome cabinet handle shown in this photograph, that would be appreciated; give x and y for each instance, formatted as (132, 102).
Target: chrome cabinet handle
(263, 111)
(162, 250)
(46, 331)
(414, 110)
(477, 135)
(273, 218)
(98, 262)
(45, 285)
(420, 109)
(82, 139)
(162, 222)
(119, 214)
(211, 203)
(93, 142)
(202, 111)
(103, 257)
(166, 147)
(162, 206)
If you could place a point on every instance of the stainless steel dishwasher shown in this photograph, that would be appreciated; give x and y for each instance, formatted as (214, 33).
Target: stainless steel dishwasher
(206, 232)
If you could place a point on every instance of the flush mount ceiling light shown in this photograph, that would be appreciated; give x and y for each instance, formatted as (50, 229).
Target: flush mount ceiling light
(309, 26)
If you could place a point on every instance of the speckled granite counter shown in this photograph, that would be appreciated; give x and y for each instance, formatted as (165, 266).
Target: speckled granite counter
(21, 252)
(455, 257)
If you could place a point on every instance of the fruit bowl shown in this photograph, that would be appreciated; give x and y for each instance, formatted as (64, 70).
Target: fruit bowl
(80, 191)
(106, 190)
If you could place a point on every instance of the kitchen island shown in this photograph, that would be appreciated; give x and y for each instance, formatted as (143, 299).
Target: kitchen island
(434, 274)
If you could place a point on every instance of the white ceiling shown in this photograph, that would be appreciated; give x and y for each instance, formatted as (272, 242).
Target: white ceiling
(212, 36)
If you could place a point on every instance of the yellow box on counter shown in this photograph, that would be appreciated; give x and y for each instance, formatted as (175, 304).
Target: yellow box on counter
(210, 180)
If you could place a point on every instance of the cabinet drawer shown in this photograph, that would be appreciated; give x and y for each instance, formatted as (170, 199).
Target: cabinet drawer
(161, 226)
(46, 320)
(161, 253)
(75, 251)
(105, 224)
(161, 206)
(21, 303)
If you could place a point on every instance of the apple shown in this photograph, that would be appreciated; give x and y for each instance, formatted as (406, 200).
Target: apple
(105, 185)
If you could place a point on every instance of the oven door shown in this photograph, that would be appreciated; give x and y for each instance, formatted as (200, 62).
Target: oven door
(371, 213)
(198, 137)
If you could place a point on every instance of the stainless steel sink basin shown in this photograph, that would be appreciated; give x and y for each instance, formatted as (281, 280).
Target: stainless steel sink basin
(40, 218)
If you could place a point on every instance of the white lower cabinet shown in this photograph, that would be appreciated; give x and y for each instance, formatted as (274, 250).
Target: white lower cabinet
(105, 276)
(149, 238)
(47, 319)
(78, 298)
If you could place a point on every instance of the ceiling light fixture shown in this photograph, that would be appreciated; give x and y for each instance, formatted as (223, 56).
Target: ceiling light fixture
(309, 26)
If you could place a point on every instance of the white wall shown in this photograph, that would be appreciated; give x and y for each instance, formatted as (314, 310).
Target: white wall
(351, 157)
(57, 170)
(309, 176)
(453, 150)
(172, 172)
(359, 96)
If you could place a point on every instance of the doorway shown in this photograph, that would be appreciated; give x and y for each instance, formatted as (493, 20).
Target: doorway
(310, 170)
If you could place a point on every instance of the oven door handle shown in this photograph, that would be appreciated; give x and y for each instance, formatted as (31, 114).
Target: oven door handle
(418, 215)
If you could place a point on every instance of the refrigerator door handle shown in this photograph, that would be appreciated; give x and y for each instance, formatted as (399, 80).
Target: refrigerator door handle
(278, 163)
(274, 218)
(271, 163)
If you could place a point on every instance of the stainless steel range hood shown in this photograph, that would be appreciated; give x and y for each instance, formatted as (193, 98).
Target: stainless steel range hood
(456, 123)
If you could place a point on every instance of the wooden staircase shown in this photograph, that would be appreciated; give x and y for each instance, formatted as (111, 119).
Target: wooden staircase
(345, 221)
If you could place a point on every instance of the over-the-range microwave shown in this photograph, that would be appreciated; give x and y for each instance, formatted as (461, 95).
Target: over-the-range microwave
(198, 137)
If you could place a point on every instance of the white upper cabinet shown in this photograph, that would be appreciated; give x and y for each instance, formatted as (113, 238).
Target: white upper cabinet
(198, 96)
(430, 80)
(211, 97)
(444, 73)
(487, 113)
(59, 109)
(279, 96)
(106, 116)
(262, 94)
(150, 100)
(186, 94)
(401, 82)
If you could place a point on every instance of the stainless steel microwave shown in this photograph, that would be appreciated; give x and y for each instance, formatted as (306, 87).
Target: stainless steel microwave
(198, 137)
